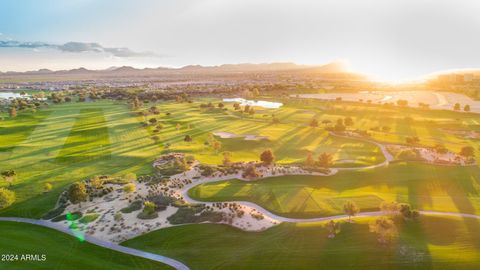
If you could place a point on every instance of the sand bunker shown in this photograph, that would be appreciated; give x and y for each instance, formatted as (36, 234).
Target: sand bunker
(225, 135)
(246, 137)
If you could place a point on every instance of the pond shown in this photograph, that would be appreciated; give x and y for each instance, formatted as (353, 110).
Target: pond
(257, 103)
(8, 95)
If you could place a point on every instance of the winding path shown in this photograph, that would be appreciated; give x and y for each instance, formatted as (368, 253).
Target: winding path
(388, 158)
(102, 243)
(269, 214)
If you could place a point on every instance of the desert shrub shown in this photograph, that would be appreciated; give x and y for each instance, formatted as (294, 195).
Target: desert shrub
(207, 170)
(134, 206)
(117, 216)
(161, 202)
(196, 214)
(88, 218)
(174, 166)
(149, 211)
(250, 172)
(257, 216)
(408, 155)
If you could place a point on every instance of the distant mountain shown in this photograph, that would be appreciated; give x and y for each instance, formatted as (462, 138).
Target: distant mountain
(194, 69)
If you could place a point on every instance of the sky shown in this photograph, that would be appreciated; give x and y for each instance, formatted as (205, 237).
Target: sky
(390, 40)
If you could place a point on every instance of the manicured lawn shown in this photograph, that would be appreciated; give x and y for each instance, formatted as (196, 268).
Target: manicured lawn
(425, 187)
(87, 138)
(431, 243)
(70, 142)
(291, 140)
(62, 251)
(428, 125)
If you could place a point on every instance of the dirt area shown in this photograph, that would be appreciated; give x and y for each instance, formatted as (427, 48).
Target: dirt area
(246, 137)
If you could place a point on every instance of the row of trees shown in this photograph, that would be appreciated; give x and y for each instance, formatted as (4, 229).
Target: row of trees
(324, 160)
(457, 107)
(383, 226)
(340, 125)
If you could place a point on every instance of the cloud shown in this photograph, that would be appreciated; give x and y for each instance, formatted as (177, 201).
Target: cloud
(76, 47)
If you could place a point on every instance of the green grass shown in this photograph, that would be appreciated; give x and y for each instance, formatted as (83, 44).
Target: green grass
(290, 140)
(87, 138)
(62, 251)
(426, 187)
(13, 131)
(431, 243)
(70, 142)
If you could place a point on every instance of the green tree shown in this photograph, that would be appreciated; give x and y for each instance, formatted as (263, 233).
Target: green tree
(216, 145)
(313, 123)
(467, 151)
(348, 121)
(389, 208)
(325, 160)
(250, 172)
(136, 104)
(187, 138)
(267, 157)
(456, 107)
(9, 176)
(333, 228)
(152, 121)
(351, 209)
(227, 158)
(466, 108)
(47, 187)
(7, 198)
(385, 229)
(309, 161)
(77, 193)
(339, 126)
(255, 92)
(13, 112)
(326, 122)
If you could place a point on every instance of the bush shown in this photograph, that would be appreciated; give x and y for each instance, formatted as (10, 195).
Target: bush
(149, 211)
(143, 215)
(161, 202)
(117, 216)
(174, 166)
(412, 140)
(89, 218)
(134, 206)
(194, 214)
(257, 216)
(409, 155)
(250, 172)
(207, 170)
